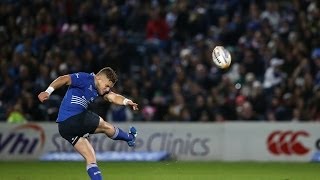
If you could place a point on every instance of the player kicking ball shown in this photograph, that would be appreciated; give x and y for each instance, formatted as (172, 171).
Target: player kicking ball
(75, 122)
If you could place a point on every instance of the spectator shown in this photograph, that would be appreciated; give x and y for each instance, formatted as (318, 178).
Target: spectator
(167, 44)
(119, 114)
(17, 115)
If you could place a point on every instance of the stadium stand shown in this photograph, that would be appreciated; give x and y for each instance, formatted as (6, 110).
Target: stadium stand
(161, 50)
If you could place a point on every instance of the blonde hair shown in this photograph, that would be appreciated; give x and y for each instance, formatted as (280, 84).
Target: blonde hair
(109, 73)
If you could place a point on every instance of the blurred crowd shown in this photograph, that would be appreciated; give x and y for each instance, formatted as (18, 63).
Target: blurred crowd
(161, 51)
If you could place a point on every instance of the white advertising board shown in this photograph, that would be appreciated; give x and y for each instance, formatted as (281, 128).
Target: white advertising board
(184, 141)
(271, 141)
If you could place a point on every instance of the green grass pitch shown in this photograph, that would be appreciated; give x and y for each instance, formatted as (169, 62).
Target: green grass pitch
(167, 170)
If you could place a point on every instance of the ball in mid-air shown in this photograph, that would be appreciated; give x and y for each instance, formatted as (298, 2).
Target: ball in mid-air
(221, 57)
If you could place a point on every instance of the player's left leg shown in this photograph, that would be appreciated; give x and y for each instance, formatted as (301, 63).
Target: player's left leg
(116, 133)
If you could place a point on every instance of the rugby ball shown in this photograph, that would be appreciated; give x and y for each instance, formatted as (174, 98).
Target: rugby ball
(221, 57)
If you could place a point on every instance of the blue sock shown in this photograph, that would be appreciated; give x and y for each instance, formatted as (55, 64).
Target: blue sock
(121, 135)
(94, 171)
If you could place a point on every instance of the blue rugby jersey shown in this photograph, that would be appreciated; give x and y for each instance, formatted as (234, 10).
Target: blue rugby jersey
(81, 92)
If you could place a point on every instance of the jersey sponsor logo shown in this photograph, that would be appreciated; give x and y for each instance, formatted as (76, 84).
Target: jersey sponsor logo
(23, 139)
(287, 143)
(80, 101)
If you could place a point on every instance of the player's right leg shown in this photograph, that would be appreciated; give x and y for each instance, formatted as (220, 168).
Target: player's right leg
(84, 147)
(116, 133)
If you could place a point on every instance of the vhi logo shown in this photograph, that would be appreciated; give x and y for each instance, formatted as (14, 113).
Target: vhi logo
(287, 143)
(24, 139)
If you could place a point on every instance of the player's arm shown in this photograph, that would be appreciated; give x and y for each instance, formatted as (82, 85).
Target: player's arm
(57, 83)
(120, 100)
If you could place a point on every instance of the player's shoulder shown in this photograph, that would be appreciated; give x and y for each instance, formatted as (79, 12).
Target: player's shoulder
(81, 78)
(82, 74)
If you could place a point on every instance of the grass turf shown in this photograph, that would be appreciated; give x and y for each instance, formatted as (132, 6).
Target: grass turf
(25, 170)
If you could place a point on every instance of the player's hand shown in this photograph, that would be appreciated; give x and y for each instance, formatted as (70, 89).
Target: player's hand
(43, 96)
(133, 105)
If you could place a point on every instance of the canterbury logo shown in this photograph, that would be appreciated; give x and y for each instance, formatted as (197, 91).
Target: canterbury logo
(287, 142)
